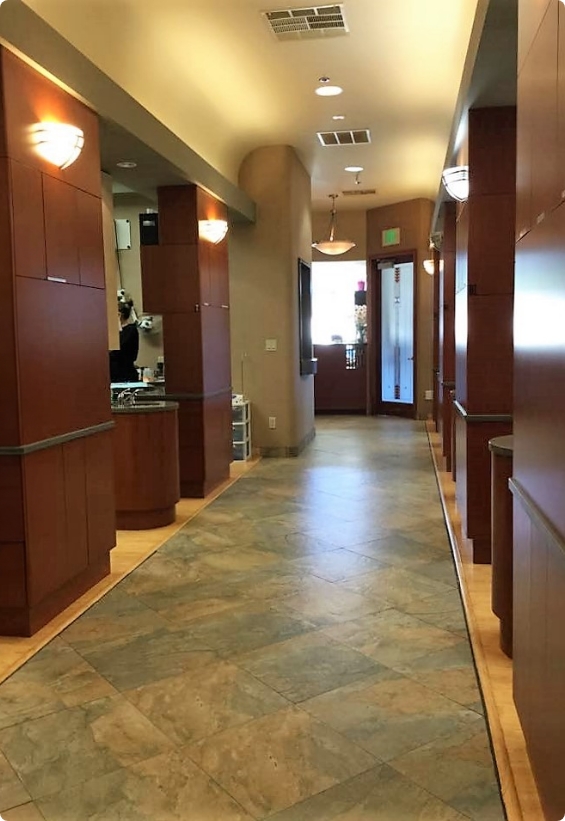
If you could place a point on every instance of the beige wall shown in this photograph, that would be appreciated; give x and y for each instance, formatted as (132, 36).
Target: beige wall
(110, 262)
(264, 298)
(414, 220)
(351, 225)
(129, 206)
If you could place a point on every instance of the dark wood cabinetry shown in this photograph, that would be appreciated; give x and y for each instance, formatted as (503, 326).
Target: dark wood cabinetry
(185, 278)
(56, 472)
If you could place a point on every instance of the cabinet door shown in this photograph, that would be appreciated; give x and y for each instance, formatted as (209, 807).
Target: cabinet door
(29, 231)
(47, 559)
(219, 280)
(74, 466)
(524, 152)
(89, 238)
(546, 190)
(100, 498)
(216, 357)
(61, 230)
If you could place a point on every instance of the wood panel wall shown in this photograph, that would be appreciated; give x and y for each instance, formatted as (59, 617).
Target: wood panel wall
(539, 397)
(484, 314)
(186, 279)
(56, 480)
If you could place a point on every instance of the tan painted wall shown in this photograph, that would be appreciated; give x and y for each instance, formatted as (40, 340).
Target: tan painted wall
(110, 262)
(414, 220)
(351, 225)
(129, 206)
(264, 298)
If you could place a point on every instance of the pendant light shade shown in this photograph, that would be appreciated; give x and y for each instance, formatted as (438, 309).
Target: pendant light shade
(331, 246)
(456, 182)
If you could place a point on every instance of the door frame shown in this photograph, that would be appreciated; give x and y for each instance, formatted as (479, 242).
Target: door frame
(374, 337)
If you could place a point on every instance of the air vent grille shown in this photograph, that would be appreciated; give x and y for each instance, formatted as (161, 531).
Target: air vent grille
(359, 192)
(307, 23)
(359, 137)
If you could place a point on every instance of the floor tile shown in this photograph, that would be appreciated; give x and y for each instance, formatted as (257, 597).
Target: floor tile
(307, 665)
(57, 751)
(449, 672)
(25, 812)
(12, 791)
(444, 610)
(337, 565)
(195, 705)
(247, 628)
(55, 678)
(166, 788)
(389, 714)
(397, 586)
(274, 762)
(381, 794)
(115, 616)
(459, 770)
(129, 663)
(392, 637)
(325, 603)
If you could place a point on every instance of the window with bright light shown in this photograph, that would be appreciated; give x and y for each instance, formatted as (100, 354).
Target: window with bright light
(335, 317)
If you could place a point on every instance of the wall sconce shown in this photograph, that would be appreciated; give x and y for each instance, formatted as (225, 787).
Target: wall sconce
(429, 266)
(212, 230)
(456, 182)
(58, 143)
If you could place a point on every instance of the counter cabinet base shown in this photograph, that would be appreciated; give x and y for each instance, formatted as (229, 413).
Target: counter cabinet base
(145, 519)
(25, 621)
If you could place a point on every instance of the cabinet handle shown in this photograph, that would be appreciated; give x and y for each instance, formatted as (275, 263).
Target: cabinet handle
(225, 306)
(206, 304)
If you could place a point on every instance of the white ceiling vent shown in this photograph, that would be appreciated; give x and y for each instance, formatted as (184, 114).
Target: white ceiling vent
(359, 192)
(360, 137)
(307, 23)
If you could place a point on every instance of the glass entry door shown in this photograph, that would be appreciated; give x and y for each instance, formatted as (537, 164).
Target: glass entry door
(397, 338)
(394, 318)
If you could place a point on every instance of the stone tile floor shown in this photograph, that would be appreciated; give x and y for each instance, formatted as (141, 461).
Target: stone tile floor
(298, 651)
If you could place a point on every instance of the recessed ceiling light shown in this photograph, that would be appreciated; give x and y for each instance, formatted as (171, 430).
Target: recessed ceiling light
(126, 164)
(326, 90)
(355, 169)
(338, 117)
(329, 91)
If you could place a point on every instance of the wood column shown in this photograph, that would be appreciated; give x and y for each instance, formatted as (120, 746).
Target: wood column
(446, 374)
(185, 278)
(483, 314)
(538, 483)
(57, 522)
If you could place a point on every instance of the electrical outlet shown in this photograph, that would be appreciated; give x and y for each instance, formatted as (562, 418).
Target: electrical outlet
(429, 395)
(270, 344)
(272, 422)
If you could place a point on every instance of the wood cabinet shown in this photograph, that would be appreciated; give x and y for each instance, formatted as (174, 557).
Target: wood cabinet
(146, 466)
(185, 278)
(59, 498)
(61, 241)
(89, 239)
(28, 222)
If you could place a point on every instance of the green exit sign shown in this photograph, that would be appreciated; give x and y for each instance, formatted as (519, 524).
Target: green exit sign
(391, 236)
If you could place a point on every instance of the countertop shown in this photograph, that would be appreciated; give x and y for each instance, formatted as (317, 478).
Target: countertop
(149, 407)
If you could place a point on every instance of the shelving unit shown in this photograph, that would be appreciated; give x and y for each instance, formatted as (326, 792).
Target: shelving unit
(241, 431)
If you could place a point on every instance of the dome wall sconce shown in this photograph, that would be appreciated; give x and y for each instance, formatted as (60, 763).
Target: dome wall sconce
(429, 266)
(58, 143)
(331, 246)
(456, 182)
(212, 230)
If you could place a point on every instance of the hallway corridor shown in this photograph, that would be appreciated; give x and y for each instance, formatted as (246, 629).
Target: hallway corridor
(298, 651)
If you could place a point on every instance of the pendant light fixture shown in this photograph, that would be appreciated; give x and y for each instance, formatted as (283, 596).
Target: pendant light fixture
(331, 246)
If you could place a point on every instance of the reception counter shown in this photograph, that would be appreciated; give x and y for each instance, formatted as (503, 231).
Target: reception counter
(146, 464)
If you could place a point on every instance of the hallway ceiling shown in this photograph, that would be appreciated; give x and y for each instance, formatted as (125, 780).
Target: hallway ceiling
(212, 71)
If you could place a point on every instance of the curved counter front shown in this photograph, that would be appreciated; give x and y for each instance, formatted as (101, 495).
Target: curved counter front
(146, 464)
